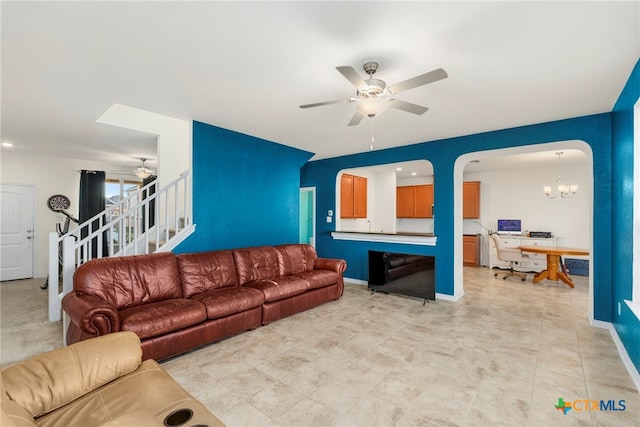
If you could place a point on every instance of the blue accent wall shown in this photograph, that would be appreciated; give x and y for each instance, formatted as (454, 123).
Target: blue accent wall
(627, 324)
(245, 190)
(594, 130)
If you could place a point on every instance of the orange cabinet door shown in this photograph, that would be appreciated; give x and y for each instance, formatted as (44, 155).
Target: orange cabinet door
(404, 202)
(470, 250)
(353, 196)
(346, 196)
(359, 197)
(423, 201)
(471, 199)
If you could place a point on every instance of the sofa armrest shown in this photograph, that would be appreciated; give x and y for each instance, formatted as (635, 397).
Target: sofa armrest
(333, 264)
(91, 314)
(51, 380)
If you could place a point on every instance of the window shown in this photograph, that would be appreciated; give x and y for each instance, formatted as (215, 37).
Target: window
(115, 191)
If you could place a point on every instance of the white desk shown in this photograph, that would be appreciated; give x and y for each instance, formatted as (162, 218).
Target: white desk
(530, 261)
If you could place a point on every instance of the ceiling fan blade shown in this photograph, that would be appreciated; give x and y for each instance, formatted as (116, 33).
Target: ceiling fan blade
(352, 75)
(319, 104)
(407, 106)
(357, 116)
(423, 79)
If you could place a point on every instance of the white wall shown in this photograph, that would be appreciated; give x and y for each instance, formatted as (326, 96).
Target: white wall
(174, 137)
(49, 176)
(519, 194)
(384, 208)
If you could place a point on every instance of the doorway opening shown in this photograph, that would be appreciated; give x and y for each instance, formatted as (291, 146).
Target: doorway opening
(307, 225)
(512, 186)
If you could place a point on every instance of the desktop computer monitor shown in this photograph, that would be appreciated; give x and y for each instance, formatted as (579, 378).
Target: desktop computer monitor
(509, 226)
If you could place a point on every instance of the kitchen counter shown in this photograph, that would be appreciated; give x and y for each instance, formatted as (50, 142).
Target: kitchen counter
(410, 238)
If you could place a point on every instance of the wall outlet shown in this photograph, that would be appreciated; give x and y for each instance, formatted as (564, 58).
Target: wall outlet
(330, 212)
(329, 219)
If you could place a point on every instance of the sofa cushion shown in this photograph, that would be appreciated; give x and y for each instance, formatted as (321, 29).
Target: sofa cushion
(227, 301)
(279, 288)
(50, 380)
(130, 280)
(319, 278)
(294, 259)
(204, 271)
(260, 262)
(162, 317)
(148, 389)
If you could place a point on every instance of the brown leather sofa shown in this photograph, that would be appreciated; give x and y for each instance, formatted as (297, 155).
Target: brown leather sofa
(99, 382)
(176, 303)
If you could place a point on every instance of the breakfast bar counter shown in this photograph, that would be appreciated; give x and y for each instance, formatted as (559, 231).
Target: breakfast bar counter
(409, 238)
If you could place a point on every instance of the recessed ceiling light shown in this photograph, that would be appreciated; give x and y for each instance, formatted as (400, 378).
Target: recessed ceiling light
(7, 144)
(398, 169)
(414, 173)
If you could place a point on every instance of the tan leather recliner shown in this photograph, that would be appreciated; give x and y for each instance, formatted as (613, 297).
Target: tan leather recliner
(97, 382)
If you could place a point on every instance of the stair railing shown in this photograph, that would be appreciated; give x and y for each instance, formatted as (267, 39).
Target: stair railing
(148, 220)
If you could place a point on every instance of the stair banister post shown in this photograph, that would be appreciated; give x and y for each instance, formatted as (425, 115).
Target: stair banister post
(69, 265)
(53, 278)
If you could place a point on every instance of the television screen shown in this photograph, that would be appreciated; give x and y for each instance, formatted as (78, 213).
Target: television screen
(509, 226)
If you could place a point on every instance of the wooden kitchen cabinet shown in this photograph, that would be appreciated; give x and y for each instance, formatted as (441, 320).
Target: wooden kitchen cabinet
(353, 196)
(471, 199)
(471, 250)
(414, 201)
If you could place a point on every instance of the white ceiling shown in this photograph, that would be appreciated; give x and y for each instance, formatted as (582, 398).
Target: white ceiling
(247, 66)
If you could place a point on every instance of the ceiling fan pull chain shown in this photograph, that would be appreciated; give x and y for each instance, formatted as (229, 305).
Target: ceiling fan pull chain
(372, 139)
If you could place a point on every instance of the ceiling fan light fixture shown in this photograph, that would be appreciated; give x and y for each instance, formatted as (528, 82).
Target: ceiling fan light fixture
(372, 107)
(142, 171)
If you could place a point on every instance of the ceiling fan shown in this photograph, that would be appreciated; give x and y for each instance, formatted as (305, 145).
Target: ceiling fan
(373, 96)
(142, 171)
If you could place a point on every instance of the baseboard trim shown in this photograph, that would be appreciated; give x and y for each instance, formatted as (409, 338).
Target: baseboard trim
(622, 352)
(447, 297)
(356, 281)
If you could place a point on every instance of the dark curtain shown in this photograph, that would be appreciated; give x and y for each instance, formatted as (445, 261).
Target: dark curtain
(152, 204)
(91, 203)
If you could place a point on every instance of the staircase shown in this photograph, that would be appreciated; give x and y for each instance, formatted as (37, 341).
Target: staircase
(149, 220)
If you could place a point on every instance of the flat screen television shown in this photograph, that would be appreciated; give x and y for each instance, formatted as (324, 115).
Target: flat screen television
(405, 274)
(509, 226)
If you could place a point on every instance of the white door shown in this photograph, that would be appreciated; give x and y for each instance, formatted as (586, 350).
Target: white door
(16, 231)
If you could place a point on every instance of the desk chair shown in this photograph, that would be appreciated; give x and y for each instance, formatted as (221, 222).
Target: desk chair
(512, 255)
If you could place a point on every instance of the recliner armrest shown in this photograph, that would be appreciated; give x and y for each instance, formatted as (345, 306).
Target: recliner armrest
(91, 314)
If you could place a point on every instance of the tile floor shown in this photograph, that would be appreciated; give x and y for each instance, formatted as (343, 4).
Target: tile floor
(501, 355)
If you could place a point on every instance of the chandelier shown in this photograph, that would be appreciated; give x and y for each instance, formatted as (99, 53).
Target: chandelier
(563, 190)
